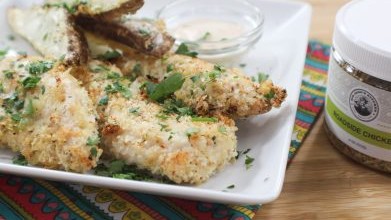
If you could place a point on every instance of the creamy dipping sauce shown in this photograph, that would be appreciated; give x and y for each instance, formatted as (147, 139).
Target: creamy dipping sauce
(208, 30)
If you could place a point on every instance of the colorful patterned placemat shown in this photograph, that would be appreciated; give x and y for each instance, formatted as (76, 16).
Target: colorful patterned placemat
(26, 198)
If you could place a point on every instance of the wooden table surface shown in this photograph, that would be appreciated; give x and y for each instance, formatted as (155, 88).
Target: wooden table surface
(321, 183)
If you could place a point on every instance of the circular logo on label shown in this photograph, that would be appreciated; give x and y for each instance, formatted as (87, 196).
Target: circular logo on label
(363, 105)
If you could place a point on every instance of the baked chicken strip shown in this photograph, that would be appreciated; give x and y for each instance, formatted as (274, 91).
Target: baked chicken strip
(144, 35)
(46, 115)
(140, 132)
(103, 8)
(51, 31)
(209, 89)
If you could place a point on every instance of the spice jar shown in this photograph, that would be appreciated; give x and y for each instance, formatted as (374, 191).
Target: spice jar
(358, 102)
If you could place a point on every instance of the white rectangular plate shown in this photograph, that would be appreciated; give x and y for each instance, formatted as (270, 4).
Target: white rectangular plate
(280, 53)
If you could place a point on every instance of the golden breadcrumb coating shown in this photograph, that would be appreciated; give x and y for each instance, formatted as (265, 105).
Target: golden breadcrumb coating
(46, 115)
(136, 130)
(208, 89)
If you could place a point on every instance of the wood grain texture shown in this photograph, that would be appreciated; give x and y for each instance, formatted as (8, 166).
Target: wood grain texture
(321, 183)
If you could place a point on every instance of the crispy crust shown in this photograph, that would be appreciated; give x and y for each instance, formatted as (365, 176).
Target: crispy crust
(77, 45)
(156, 43)
(178, 148)
(109, 9)
(55, 135)
(129, 7)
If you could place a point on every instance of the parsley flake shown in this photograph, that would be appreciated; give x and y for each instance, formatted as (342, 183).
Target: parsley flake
(93, 141)
(183, 49)
(201, 119)
(19, 160)
(30, 82)
(167, 87)
(104, 101)
(270, 95)
(94, 152)
(39, 67)
(134, 110)
(9, 74)
(110, 55)
(231, 186)
(222, 129)
(248, 162)
(262, 77)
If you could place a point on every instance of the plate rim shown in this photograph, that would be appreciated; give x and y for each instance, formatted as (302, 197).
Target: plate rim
(181, 191)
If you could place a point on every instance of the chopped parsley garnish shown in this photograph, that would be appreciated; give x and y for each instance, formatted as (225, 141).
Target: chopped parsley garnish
(242, 65)
(144, 32)
(113, 75)
(183, 49)
(30, 82)
(13, 105)
(19, 160)
(195, 79)
(118, 88)
(45, 37)
(9, 74)
(94, 152)
(216, 72)
(231, 186)
(11, 37)
(110, 55)
(240, 153)
(201, 119)
(134, 110)
(30, 110)
(118, 169)
(99, 69)
(39, 67)
(164, 127)
(93, 141)
(104, 101)
(172, 106)
(162, 116)
(205, 36)
(3, 53)
(1, 88)
(137, 69)
(171, 136)
(222, 129)
(248, 162)
(166, 88)
(62, 58)
(16, 117)
(170, 68)
(262, 77)
(270, 95)
(246, 151)
(43, 90)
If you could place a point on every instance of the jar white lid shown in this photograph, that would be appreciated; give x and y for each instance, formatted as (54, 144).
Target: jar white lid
(362, 36)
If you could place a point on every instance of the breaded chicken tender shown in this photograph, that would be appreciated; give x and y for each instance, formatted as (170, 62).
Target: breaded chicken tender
(140, 132)
(51, 31)
(144, 35)
(46, 115)
(209, 89)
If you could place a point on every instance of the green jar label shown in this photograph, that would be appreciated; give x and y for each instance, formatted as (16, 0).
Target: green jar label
(357, 129)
